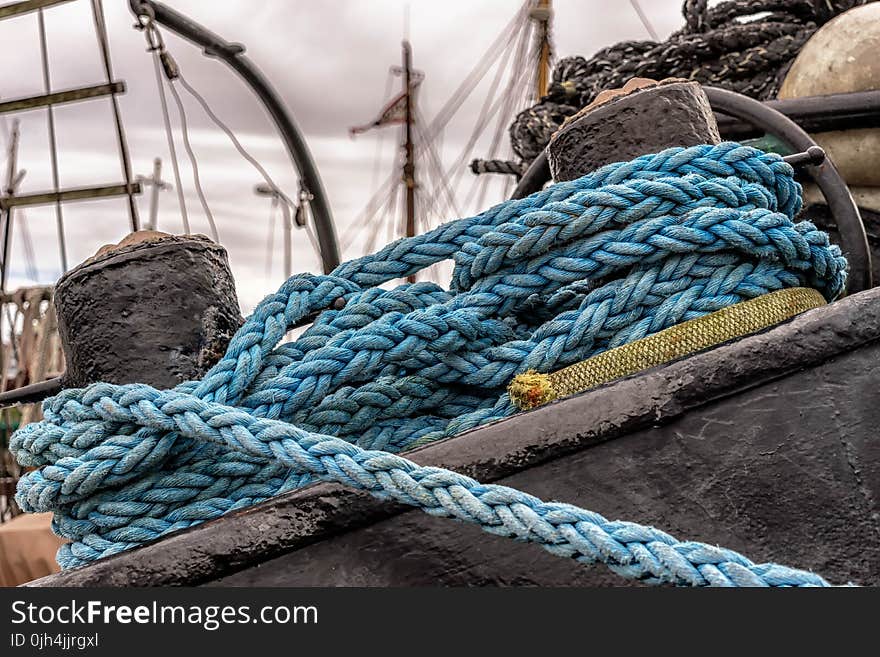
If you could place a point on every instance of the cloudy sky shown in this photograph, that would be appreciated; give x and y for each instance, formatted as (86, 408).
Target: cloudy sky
(329, 60)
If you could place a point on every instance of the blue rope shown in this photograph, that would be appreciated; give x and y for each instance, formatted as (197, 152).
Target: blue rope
(539, 283)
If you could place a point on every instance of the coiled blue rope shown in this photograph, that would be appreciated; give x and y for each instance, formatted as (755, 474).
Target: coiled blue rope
(539, 283)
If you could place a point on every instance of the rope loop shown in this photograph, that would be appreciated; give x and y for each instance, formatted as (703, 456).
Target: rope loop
(539, 283)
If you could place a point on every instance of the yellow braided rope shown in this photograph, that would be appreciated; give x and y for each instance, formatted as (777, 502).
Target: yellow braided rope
(532, 389)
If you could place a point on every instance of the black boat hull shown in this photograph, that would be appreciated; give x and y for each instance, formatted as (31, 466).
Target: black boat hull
(766, 445)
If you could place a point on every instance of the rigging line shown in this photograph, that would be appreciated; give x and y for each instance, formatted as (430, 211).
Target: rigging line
(376, 226)
(380, 142)
(518, 80)
(436, 166)
(644, 18)
(104, 44)
(12, 338)
(310, 233)
(523, 85)
(193, 161)
(391, 215)
(485, 116)
(479, 187)
(53, 144)
(389, 218)
(368, 212)
(270, 241)
(28, 246)
(169, 135)
(501, 43)
(373, 212)
(231, 135)
(504, 118)
(434, 178)
(483, 65)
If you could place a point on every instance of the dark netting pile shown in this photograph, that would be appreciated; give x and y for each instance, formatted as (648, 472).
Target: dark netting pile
(741, 45)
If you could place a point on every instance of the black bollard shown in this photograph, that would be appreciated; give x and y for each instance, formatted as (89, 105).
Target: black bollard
(156, 309)
(643, 117)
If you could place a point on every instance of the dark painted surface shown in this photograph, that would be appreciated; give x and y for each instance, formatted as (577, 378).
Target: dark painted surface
(154, 312)
(645, 121)
(764, 445)
(788, 472)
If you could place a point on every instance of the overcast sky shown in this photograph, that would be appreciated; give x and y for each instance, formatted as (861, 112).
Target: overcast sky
(329, 60)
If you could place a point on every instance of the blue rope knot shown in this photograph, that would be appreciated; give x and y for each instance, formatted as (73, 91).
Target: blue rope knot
(539, 283)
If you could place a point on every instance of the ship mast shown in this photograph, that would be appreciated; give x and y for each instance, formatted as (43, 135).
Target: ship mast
(409, 166)
(13, 178)
(542, 14)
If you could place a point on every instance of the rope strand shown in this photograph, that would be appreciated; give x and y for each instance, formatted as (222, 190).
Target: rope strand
(569, 272)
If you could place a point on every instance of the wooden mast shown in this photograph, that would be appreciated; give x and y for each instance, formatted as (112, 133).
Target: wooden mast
(409, 166)
(542, 13)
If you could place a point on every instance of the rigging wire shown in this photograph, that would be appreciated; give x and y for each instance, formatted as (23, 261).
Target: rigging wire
(104, 45)
(512, 39)
(53, 144)
(485, 115)
(435, 167)
(169, 135)
(184, 130)
(380, 142)
(513, 107)
(505, 106)
(310, 233)
(28, 245)
(31, 268)
(644, 18)
(438, 124)
(231, 135)
(309, 227)
(484, 64)
(391, 213)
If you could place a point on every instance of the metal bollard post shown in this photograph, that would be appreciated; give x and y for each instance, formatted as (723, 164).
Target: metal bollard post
(156, 308)
(643, 117)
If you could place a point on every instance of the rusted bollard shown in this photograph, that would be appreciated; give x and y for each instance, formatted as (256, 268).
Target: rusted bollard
(156, 309)
(621, 124)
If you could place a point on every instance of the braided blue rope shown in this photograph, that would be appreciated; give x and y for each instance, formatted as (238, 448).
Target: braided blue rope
(539, 283)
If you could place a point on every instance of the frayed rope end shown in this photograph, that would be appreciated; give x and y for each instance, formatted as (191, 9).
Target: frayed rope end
(531, 389)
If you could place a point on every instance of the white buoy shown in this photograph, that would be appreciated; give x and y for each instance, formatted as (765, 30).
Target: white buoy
(842, 57)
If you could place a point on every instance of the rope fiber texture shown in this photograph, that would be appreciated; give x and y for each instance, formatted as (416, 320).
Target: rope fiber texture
(745, 46)
(531, 389)
(539, 283)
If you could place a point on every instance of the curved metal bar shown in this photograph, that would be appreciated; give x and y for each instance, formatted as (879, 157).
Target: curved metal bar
(843, 208)
(233, 55)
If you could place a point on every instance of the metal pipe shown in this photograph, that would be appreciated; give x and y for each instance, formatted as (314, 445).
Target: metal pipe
(288, 256)
(233, 55)
(31, 393)
(154, 194)
(860, 109)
